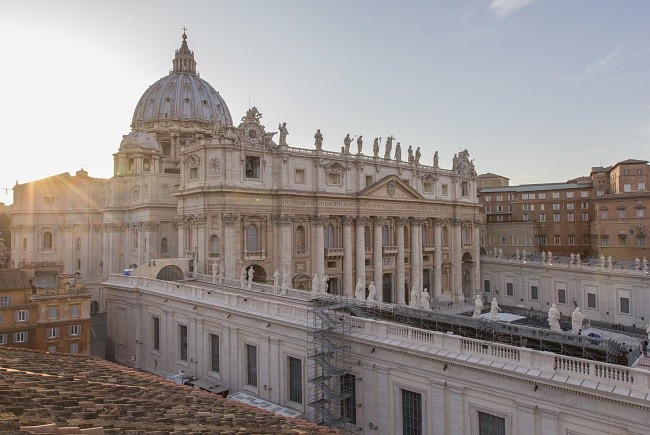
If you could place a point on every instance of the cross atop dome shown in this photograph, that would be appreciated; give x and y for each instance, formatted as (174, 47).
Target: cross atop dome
(184, 58)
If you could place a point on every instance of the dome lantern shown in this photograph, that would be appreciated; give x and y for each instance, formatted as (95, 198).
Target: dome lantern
(184, 58)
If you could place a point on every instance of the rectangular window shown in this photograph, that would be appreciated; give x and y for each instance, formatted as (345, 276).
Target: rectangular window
(464, 188)
(569, 194)
(21, 316)
(555, 195)
(524, 217)
(604, 214)
(3, 339)
(625, 305)
(556, 217)
(445, 190)
(74, 330)
(486, 286)
(639, 212)
(641, 187)
(585, 216)
(534, 292)
(295, 380)
(252, 167)
(299, 176)
(51, 348)
(214, 353)
(561, 296)
(5, 301)
(251, 365)
(542, 196)
(641, 242)
(510, 289)
(584, 194)
(556, 206)
(621, 213)
(52, 312)
(489, 424)
(182, 331)
(557, 239)
(74, 347)
(627, 187)
(349, 405)
(21, 337)
(570, 206)
(499, 197)
(572, 239)
(570, 217)
(524, 196)
(488, 198)
(604, 240)
(52, 333)
(488, 209)
(542, 217)
(525, 207)
(156, 333)
(334, 178)
(411, 413)
(75, 311)
(427, 186)
(542, 239)
(591, 300)
(368, 180)
(194, 173)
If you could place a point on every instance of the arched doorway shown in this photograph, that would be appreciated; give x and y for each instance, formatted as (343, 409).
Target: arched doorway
(260, 274)
(170, 273)
(468, 275)
(483, 251)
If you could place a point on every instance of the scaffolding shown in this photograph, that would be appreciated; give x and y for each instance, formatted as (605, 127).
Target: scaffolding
(330, 395)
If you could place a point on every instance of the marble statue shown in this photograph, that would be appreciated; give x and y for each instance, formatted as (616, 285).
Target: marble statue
(517, 254)
(359, 144)
(571, 258)
(602, 261)
(242, 278)
(415, 298)
(495, 251)
(325, 284)
(494, 309)
(315, 283)
(524, 254)
(543, 256)
(276, 281)
(359, 290)
(644, 267)
(425, 299)
(372, 292)
(283, 133)
(251, 273)
(478, 306)
(286, 281)
(221, 275)
(318, 140)
(609, 261)
(375, 147)
(418, 154)
(554, 318)
(389, 147)
(637, 263)
(576, 320)
(346, 142)
(435, 160)
(578, 261)
(398, 152)
(500, 253)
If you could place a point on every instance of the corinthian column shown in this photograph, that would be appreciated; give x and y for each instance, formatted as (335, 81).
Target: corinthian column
(318, 256)
(416, 257)
(476, 245)
(347, 257)
(361, 222)
(377, 257)
(437, 259)
(231, 250)
(399, 277)
(457, 260)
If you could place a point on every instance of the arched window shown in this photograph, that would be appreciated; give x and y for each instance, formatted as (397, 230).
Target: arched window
(385, 235)
(163, 245)
(146, 165)
(78, 264)
(214, 244)
(425, 235)
(407, 237)
(251, 238)
(131, 166)
(78, 244)
(300, 239)
(330, 240)
(366, 237)
(465, 235)
(48, 241)
(445, 236)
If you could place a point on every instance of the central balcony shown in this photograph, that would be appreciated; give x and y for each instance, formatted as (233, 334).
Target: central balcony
(334, 252)
(390, 250)
(254, 255)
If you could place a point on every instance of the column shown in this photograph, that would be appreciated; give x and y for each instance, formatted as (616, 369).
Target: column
(416, 258)
(361, 222)
(201, 246)
(476, 246)
(286, 242)
(377, 257)
(418, 247)
(457, 260)
(437, 259)
(230, 243)
(318, 254)
(399, 276)
(180, 222)
(348, 285)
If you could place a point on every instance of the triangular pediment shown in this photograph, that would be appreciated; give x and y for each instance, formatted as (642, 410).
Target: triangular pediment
(390, 187)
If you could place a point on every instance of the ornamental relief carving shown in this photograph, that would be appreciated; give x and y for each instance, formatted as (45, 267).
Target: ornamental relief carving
(229, 218)
(362, 220)
(215, 168)
(319, 220)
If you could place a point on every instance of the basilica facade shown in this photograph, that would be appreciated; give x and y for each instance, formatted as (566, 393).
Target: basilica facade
(190, 182)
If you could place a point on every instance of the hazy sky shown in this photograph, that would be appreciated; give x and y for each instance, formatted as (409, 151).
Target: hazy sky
(536, 90)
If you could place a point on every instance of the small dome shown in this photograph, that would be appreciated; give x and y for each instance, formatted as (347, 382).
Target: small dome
(140, 140)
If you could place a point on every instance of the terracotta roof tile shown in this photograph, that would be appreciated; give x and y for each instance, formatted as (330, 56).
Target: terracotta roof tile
(14, 279)
(79, 391)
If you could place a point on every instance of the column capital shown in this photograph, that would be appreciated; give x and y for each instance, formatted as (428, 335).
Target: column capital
(282, 219)
(151, 225)
(456, 222)
(318, 219)
(417, 220)
(380, 220)
(362, 220)
(347, 220)
(401, 221)
(229, 218)
(437, 221)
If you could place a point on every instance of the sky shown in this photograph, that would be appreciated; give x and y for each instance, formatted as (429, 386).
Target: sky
(536, 90)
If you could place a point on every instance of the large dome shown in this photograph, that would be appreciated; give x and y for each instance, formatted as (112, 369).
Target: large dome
(181, 96)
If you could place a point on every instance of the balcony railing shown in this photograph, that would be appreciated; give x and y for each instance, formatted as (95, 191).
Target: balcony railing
(428, 248)
(214, 255)
(254, 255)
(334, 252)
(390, 250)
